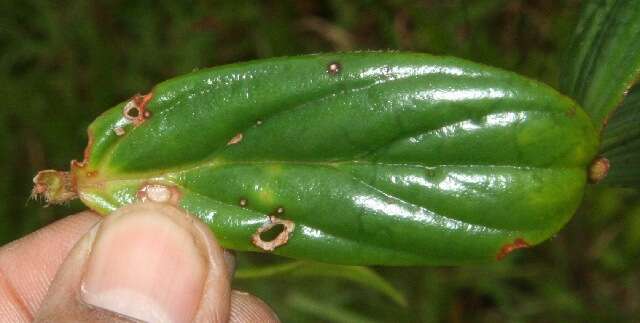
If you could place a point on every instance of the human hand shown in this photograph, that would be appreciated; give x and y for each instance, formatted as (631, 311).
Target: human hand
(145, 262)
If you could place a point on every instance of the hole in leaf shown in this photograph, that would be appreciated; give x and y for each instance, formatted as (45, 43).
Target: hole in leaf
(132, 112)
(272, 233)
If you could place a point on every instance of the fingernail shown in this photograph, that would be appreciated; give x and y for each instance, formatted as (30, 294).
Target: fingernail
(146, 264)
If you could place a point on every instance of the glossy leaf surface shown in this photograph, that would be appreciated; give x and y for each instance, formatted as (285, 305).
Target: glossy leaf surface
(368, 158)
(603, 60)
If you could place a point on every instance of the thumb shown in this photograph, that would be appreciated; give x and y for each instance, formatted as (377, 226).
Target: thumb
(145, 262)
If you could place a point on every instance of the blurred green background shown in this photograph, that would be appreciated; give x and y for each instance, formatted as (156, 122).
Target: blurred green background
(62, 63)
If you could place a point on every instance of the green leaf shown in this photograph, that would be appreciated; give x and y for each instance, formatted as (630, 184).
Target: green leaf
(603, 60)
(621, 143)
(325, 311)
(364, 276)
(268, 271)
(356, 158)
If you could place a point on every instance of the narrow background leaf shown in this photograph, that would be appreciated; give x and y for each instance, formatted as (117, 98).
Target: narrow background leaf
(268, 270)
(603, 60)
(326, 312)
(621, 143)
(364, 276)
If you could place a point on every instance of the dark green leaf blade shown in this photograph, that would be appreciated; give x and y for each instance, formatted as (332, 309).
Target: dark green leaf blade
(621, 143)
(359, 158)
(603, 60)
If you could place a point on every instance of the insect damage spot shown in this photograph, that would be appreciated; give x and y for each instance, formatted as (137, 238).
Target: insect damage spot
(273, 234)
(236, 139)
(118, 131)
(87, 151)
(334, 68)
(280, 210)
(159, 193)
(243, 202)
(131, 111)
(135, 110)
(599, 169)
(518, 243)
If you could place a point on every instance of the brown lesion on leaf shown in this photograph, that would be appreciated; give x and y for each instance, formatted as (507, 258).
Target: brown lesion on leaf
(236, 139)
(598, 169)
(136, 109)
(571, 111)
(75, 165)
(57, 187)
(284, 230)
(87, 152)
(243, 202)
(518, 243)
(119, 131)
(334, 68)
(160, 193)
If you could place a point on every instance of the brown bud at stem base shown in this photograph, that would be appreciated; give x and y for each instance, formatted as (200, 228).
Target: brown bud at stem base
(599, 169)
(55, 187)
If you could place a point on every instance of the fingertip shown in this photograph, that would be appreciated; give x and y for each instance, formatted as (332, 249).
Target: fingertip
(147, 261)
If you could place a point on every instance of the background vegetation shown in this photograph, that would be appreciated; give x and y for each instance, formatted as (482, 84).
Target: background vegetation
(62, 63)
